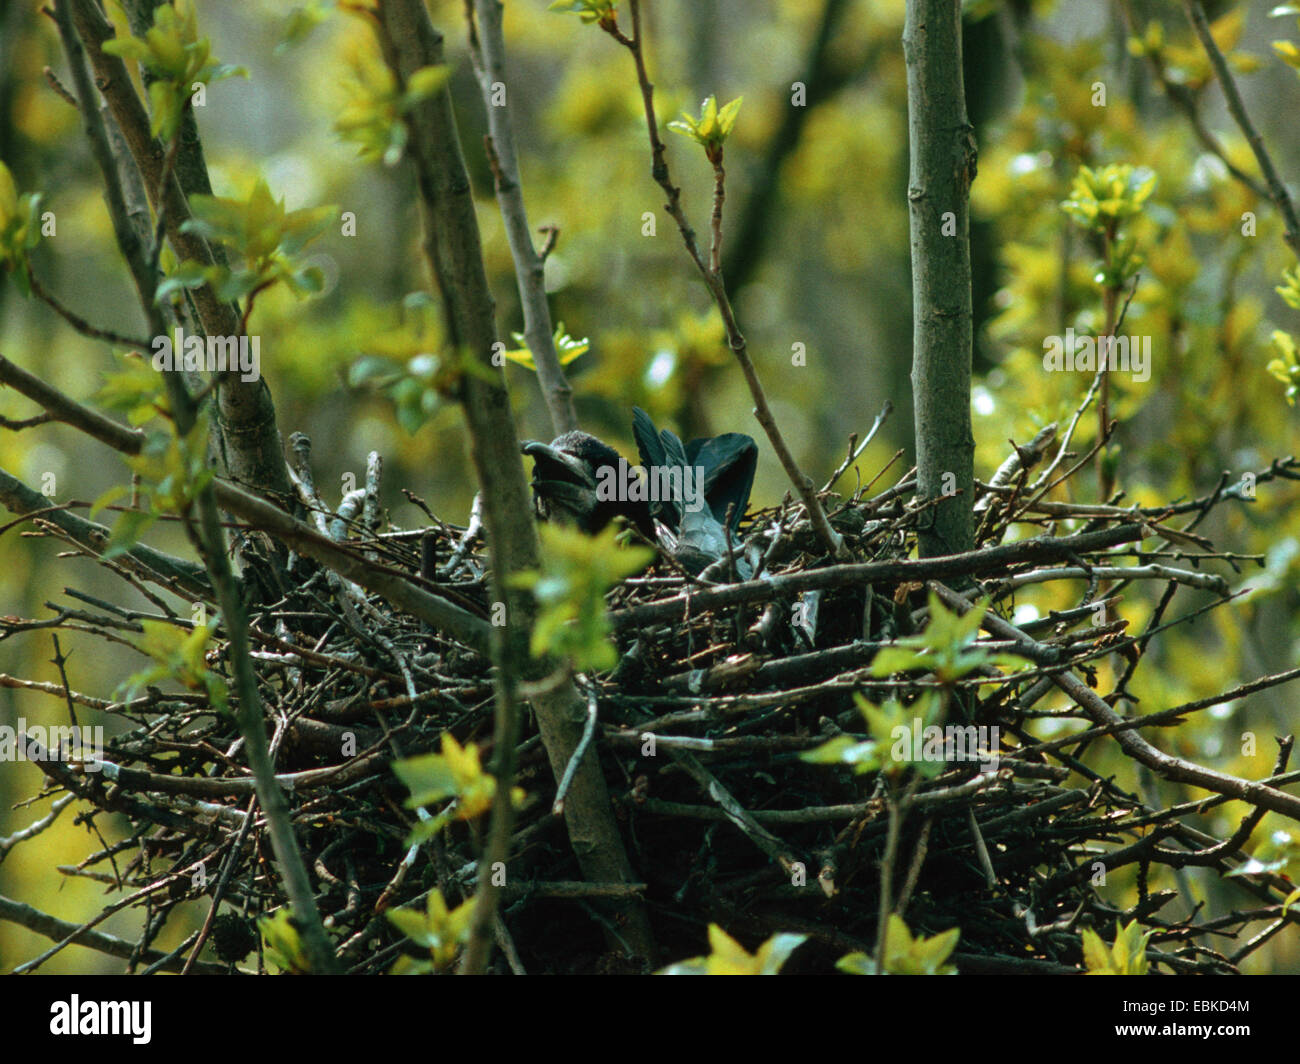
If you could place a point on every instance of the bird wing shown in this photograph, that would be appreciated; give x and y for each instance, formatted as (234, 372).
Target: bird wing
(729, 462)
(648, 444)
(659, 450)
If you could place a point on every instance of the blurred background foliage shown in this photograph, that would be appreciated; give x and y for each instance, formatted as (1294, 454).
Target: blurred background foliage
(816, 254)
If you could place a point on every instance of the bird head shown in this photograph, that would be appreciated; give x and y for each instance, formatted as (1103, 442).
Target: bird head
(568, 476)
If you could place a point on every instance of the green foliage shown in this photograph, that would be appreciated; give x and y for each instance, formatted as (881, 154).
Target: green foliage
(263, 234)
(440, 930)
(172, 469)
(905, 955)
(178, 57)
(457, 774)
(1127, 956)
(417, 388)
(181, 656)
(1186, 63)
(600, 11)
(404, 366)
(1101, 200)
(374, 117)
(1287, 50)
(565, 346)
(1286, 367)
(577, 571)
(301, 21)
(20, 229)
(1278, 855)
(1204, 297)
(135, 390)
(1151, 41)
(726, 956)
(947, 647)
(282, 943)
(885, 724)
(712, 128)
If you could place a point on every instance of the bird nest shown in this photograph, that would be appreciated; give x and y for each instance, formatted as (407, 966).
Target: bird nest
(704, 732)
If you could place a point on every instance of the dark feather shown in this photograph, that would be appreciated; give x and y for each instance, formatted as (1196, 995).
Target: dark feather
(567, 475)
(725, 465)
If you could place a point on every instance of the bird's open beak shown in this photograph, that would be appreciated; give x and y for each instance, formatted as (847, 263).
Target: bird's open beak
(575, 467)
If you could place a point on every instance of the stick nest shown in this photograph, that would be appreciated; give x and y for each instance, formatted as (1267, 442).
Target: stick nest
(724, 821)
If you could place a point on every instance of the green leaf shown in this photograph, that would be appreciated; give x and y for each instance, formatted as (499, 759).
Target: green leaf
(712, 127)
(300, 24)
(1288, 52)
(857, 963)
(729, 957)
(589, 11)
(107, 499)
(187, 275)
(231, 285)
(178, 59)
(20, 230)
(282, 943)
(577, 572)
(127, 530)
(905, 954)
(455, 773)
(727, 117)
(1126, 956)
(566, 348)
(424, 83)
(440, 930)
(413, 925)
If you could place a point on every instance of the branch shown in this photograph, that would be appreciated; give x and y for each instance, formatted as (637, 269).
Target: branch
(252, 448)
(79, 323)
(712, 275)
(1165, 765)
(1276, 189)
(487, 50)
(209, 536)
(1183, 99)
(989, 559)
(389, 583)
(453, 252)
(57, 930)
(942, 147)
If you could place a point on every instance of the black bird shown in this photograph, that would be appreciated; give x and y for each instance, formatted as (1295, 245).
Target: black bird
(708, 483)
(568, 474)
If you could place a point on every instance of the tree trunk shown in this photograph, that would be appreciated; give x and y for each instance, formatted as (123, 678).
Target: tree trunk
(942, 148)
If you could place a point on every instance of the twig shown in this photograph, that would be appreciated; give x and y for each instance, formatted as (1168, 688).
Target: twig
(382, 580)
(588, 730)
(1183, 98)
(803, 485)
(973, 563)
(1277, 191)
(775, 848)
(81, 935)
(856, 453)
(84, 327)
(487, 49)
(1165, 765)
(8, 842)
